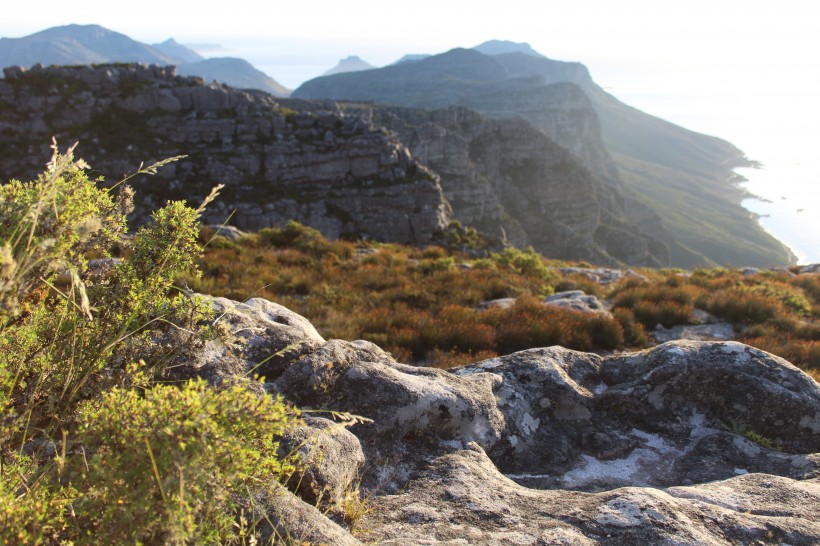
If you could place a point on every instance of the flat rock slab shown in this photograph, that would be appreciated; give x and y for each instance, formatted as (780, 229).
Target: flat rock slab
(463, 499)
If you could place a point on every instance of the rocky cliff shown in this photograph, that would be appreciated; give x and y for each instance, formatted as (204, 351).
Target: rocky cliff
(681, 176)
(347, 170)
(503, 174)
(338, 173)
(686, 443)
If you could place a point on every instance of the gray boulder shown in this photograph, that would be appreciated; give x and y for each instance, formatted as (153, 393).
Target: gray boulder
(686, 443)
(576, 300)
(330, 461)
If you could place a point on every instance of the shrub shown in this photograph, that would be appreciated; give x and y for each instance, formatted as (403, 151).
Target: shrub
(296, 235)
(165, 466)
(110, 456)
(526, 262)
(741, 305)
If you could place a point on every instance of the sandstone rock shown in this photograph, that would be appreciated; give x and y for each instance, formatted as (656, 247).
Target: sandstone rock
(602, 275)
(551, 445)
(287, 519)
(229, 232)
(330, 460)
(812, 268)
(414, 410)
(461, 498)
(501, 303)
(704, 332)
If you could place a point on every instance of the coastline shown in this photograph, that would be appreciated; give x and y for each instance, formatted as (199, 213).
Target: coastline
(778, 202)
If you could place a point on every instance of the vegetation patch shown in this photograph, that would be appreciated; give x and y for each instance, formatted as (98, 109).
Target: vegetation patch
(95, 447)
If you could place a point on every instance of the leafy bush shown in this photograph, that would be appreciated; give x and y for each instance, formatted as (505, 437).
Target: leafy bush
(526, 262)
(164, 466)
(741, 305)
(92, 450)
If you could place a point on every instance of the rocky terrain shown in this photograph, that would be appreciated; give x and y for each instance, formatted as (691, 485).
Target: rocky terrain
(686, 443)
(338, 173)
(347, 170)
(682, 176)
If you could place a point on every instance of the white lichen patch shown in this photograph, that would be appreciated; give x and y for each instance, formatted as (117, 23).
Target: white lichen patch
(739, 351)
(811, 422)
(528, 425)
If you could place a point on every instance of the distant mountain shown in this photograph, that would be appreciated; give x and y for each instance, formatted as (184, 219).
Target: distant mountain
(412, 57)
(658, 168)
(499, 47)
(235, 72)
(178, 51)
(78, 44)
(349, 64)
(93, 44)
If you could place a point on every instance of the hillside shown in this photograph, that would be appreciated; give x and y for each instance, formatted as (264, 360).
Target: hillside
(235, 72)
(93, 44)
(561, 99)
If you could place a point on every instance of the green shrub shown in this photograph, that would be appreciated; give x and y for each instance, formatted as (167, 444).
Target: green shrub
(526, 262)
(111, 457)
(741, 305)
(165, 466)
(297, 236)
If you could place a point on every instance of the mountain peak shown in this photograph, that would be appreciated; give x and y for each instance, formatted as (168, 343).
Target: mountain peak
(351, 63)
(500, 47)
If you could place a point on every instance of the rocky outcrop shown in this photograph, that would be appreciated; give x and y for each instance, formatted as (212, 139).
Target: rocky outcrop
(674, 183)
(503, 175)
(686, 443)
(329, 170)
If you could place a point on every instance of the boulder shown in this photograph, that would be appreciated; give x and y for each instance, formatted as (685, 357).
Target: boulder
(690, 442)
(330, 462)
(576, 300)
(705, 332)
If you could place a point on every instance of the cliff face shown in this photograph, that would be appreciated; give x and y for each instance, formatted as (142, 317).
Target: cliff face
(325, 169)
(503, 174)
(661, 170)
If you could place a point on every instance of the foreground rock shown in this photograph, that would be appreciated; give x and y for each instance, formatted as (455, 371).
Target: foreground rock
(687, 443)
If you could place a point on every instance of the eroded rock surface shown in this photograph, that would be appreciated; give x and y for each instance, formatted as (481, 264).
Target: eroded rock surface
(687, 443)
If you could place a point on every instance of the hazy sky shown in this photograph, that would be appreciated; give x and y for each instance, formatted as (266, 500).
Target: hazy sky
(687, 58)
(744, 70)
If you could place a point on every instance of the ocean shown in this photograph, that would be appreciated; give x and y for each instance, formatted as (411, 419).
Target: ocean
(788, 203)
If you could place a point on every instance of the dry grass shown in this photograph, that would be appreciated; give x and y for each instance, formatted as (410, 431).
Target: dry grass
(421, 303)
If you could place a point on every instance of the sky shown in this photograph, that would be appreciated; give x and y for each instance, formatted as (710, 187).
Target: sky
(744, 70)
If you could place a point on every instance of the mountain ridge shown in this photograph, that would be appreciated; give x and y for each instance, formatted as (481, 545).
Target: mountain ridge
(639, 152)
(93, 44)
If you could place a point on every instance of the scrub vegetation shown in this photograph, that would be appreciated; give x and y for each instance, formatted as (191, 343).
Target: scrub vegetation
(96, 446)
(424, 304)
